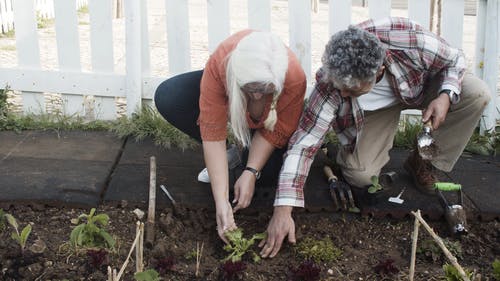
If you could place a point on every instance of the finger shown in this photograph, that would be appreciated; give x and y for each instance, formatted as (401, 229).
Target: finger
(266, 250)
(291, 236)
(426, 114)
(236, 194)
(276, 248)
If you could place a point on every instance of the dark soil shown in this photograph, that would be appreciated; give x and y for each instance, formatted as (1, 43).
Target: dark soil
(365, 243)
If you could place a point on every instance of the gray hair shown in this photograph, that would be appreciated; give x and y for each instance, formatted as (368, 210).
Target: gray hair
(352, 57)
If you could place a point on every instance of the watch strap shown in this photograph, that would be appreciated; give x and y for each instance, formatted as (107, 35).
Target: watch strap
(253, 171)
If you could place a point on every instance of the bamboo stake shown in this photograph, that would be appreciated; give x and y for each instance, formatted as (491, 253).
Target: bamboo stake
(110, 274)
(115, 277)
(440, 242)
(414, 247)
(150, 225)
(139, 267)
(122, 269)
(141, 247)
(199, 253)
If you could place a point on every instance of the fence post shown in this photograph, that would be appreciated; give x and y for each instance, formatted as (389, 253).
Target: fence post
(179, 56)
(218, 22)
(452, 22)
(487, 17)
(134, 55)
(339, 15)
(379, 8)
(259, 14)
(300, 33)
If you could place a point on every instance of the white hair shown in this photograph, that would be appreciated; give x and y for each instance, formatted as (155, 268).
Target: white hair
(259, 57)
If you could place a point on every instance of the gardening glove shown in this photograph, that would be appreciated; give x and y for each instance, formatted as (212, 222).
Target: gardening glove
(437, 110)
(243, 191)
(225, 219)
(280, 226)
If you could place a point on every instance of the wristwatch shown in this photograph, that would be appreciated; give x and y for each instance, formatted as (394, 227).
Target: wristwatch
(454, 98)
(255, 172)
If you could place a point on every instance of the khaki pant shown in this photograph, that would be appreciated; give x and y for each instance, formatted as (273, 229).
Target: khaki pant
(376, 139)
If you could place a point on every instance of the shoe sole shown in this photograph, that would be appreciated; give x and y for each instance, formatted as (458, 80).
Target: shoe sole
(421, 188)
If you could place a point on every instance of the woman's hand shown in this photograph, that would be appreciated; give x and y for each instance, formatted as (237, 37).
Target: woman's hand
(243, 190)
(225, 219)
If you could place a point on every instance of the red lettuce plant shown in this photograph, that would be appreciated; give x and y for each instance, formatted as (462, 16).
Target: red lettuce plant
(97, 258)
(306, 271)
(386, 267)
(231, 271)
(165, 264)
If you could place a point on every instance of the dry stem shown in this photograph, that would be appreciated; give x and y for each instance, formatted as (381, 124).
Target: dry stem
(414, 247)
(199, 253)
(440, 242)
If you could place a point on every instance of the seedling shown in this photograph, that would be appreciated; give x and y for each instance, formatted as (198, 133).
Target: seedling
(306, 271)
(97, 258)
(238, 245)
(375, 185)
(451, 273)
(386, 267)
(318, 250)
(90, 235)
(22, 237)
(431, 250)
(2, 220)
(165, 264)
(148, 275)
(232, 270)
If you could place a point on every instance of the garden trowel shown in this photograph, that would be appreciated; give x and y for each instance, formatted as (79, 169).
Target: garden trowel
(426, 145)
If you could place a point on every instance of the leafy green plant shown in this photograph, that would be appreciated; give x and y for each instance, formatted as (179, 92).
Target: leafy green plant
(238, 245)
(91, 234)
(451, 273)
(496, 269)
(431, 250)
(148, 275)
(2, 220)
(376, 186)
(318, 250)
(19, 237)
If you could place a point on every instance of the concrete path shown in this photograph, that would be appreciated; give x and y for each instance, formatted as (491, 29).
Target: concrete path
(85, 169)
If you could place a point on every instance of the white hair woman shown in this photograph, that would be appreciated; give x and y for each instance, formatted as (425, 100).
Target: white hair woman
(256, 84)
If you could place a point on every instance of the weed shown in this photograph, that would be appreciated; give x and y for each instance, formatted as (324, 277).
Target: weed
(486, 144)
(318, 250)
(19, 237)
(90, 235)
(496, 269)
(238, 245)
(231, 271)
(451, 273)
(306, 271)
(148, 275)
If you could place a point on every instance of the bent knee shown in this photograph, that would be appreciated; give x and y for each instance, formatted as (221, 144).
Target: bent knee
(359, 178)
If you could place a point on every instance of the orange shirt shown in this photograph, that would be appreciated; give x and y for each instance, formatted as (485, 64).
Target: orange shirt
(214, 106)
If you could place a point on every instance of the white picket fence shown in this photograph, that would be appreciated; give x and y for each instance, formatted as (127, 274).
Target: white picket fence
(136, 84)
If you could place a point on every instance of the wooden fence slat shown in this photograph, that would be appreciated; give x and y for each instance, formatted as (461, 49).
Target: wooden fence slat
(259, 14)
(339, 15)
(68, 51)
(133, 55)
(28, 52)
(491, 61)
(419, 11)
(300, 32)
(452, 22)
(480, 38)
(379, 8)
(218, 22)
(179, 55)
(101, 42)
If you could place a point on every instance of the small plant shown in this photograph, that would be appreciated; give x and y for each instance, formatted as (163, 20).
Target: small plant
(2, 220)
(231, 271)
(97, 258)
(496, 269)
(318, 250)
(451, 273)
(148, 275)
(238, 245)
(306, 271)
(165, 264)
(90, 235)
(22, 237)
(375, 185)
(386, 267)
(431, 250)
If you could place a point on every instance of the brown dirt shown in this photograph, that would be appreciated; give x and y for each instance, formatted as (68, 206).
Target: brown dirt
(364, 242)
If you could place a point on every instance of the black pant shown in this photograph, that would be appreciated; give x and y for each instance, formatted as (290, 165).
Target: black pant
(177, 100)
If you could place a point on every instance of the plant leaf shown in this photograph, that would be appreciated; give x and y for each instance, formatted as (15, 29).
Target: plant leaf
(24, 235)
(109, 240)
(12, 221)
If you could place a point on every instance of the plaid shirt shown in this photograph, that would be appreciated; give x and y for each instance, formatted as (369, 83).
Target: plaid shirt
(413, 57)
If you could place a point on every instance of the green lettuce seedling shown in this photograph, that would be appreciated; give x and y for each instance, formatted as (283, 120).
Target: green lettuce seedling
(375, 185)
(238, 245)
(22, 237)
(148, 275)
(451, 273)
(496, 269)
(90, 235)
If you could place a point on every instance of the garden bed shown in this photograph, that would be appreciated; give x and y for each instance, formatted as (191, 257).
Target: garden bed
(364, 243)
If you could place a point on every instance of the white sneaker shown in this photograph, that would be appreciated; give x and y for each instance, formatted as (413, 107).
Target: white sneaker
(203, 176)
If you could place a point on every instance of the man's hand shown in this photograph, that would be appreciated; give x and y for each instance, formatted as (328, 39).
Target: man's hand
(279, 227)
(437, 110)
(243, 190)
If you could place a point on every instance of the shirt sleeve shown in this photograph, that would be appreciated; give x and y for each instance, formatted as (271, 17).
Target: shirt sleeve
(314, 124)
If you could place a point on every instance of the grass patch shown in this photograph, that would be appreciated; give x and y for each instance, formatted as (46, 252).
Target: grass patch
(84, 9)
(8, 48)
(8, 34)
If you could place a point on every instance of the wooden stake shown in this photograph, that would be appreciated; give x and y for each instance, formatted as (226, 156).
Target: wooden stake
(199, 253)
(110, 274)
(139, 267)
(122, 269)
(414, 247)
(440, 243)
(150, 225)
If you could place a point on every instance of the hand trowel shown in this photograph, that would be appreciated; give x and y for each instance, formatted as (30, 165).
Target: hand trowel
(426, 145)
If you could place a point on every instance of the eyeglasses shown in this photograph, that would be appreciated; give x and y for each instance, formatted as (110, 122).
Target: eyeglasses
(258, 87)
